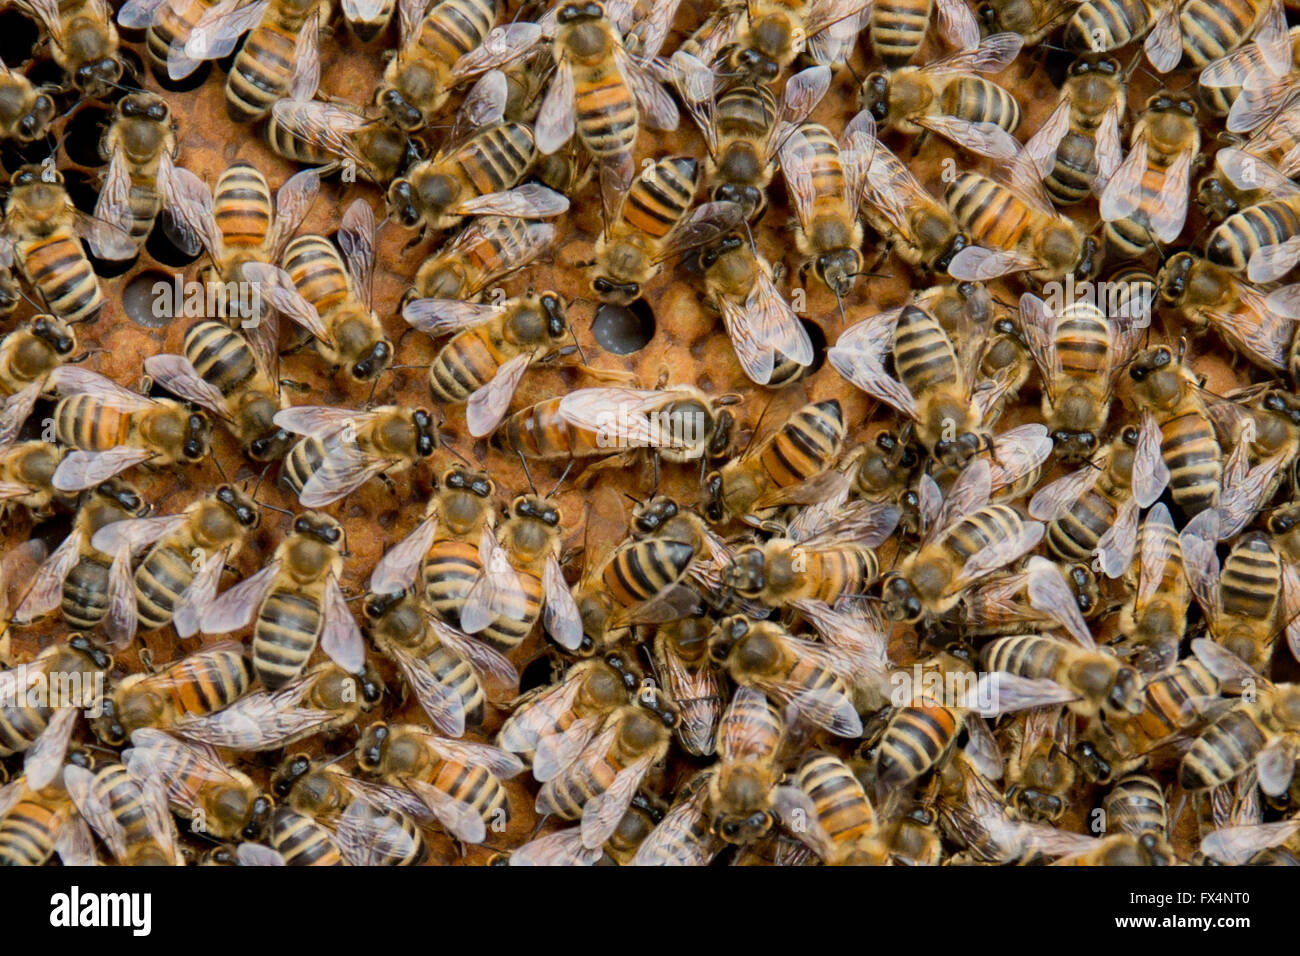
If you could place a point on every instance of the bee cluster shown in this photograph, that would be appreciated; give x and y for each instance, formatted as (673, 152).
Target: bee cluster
(622, 432)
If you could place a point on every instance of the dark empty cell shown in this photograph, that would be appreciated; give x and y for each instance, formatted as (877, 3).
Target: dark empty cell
(18, 35)
(537, 673)
(161, 246)
(785, 372)
(132, 72)
(84, 131)
(14, 154)
(48, 73)
(624, 330)
(184, 83)
(139, 298)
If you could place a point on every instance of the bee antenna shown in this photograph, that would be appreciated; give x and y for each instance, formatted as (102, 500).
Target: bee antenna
(563, 475)
(220, 471)
(527, 474)
(576, 344)
(458, 456)
(839, 302)
(283, 511)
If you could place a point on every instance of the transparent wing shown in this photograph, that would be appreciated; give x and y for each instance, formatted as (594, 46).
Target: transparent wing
(44, 758)
(46, 590)
(177, 375)
(235, 608)
(1150, 473)
(80, 470)
(602, 813)
(356, 238)
(560, 614)
(562, 848)
(438, 317)
(221, 26)
(340, 635)
(1049, 594)
(396, 570)
(489, 404)
(202, 591)
(554, 126)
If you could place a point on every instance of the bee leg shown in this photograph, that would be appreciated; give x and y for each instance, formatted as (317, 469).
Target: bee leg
(919, 142)
(296, 386)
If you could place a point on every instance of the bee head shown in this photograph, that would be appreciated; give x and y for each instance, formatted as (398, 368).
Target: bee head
(748, 197)
(33, 125)
(725, 635)
(575, 12)
(838, 270)
(1074, 445)
(654, 514)
(557, 321)
(875, 96)
(258, 818)
(747, 573)
(463, 479)
(373, 747)
(98, 658)
(403, 115)
(55, 332)
(900, 601)
(536, 508)
(241, 505)
(124, 496)
(426, 439)
(319, 526)
(615, 293)
(374, 362)
(713, 510)
(290, 771)
(198, 434)
(272, 446)
(96, 78)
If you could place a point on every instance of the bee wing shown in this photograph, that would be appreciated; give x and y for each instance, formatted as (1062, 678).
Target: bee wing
(803, 92)
(409, 15)
(293, 201)
(369, 837)
(868, 523)
(489, 404)
(554, 124)
(139, 14)
(675, 842)
(958, 25)
(237, 605)
(692, 685)
(986, 139)
(438, 317)
(1254, 107)
(1040, 149)
(396, 570)
(120, 622)
(797, 157)
(1150, 473)
(185, 769)
(356, 238)
(498, 762)
(602, 813)
(1114, 551)
(1201, 563)
(561, 848)
(84, 469)
(80, 784)
(306, 59)
(188, 203)
(500, 679)
(1244, 490)
(857, 638)
(529, 201)
(1276, 765)
(977, 264)
(360, 11)
(860, 355)
(260, 721)
(332, 125)
(1000, 553)
(1050, 594)
(456, 816)
(1038, 324)
(44, 758)
(1009, 692)
(483, 604)
(742, 739)
(178, 376)
(1235, 846)
(971, 490)
(321, 421)
(340, 636)
(75, 380)
(993, 55)
(695, 84)
(560, 614)
(1164, 44)
(220, 27)
(555, 750)
(755, 356)
(1291, 606)
(17, 408)
(1109, 152)
(1272, 40)
(538, 716)
(500, 46)
(891, 188)
(595, 749)
(200, 593)
(1170, 213)
(1017, 453)
(823, 13)
(1247, 172)
(114, 203)
(274, 284)
(444, 707)
(1122, 196)
(47, 12)
(652, 100)
(619, 413)
(1270, 263)
(75, 844)
(46, 590)
(1262, 331)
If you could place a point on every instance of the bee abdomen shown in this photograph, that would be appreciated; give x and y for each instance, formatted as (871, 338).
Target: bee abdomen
(241, 206)
(1136, 805)
(260, 74)
(85, 593)
(1071, 177)
(978, 100)
(1103, 25)
(915, 740)
(805, 445)
(464, 365)
(457, 677)
(1075, 534)
(317, 272)
(160, 579)
(284, 637)
(220, 356)
(20, 727)
(606, 112)
(841, 804)
(1223, 751)
(1251, 580)
(1238, 237)
(1212, 30)
(1026, 655)
(301, 463)
(1192, 455)
(656, 202)
(898, 29)
(208, 682)
(302, 841)
(639, 571)
(27, 834)
(499, 157)
(60, 271)
(450, 571)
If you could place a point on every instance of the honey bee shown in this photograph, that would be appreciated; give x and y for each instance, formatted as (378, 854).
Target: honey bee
(882, 472)
(198, 684)
(679, 423)
(1256, 732)
(368, 18)
(282, 47)
(1012, 219)
(565, 848)
(341, 449)
(898, 29)
(83, 42)
(452, 676)
(936, 387)
(491, 348)
(1260, 236)
(478, 177)
(1121, 849)
(912, 222)
(131, 816)
(454, 782)
(292, 839)
(226, 372)
(966, 538)
(294, 603)
(1145, 200)
(1079, 354)
(741, 789)
(1174, 700)
(684, 836)
(787, 466)
(39, 724)
(949, 99)
(1032, 19)
(335, 135)
(797, 672)
(1189, 459)
(743, 125)
(1095, 96)
(522, 580)
(26, 472)
(761, 41)
(321, 701)
(825, 179)
(1154, 619)
(42, 226)
(485, 251)
(330, 295)
(184, 556)
(168, 24)
(654, 225)
(1136, 805)
(1088, 681)
(1040, 597)
(140, 146)
(215, 799)
(27, 355)
(26, 110)
(37, 822)
(598, 785)
(681, 656)
(1040, 772)
(111, 429)
(1262, 426)
(832, 815)
(89, 585)
(365, 834)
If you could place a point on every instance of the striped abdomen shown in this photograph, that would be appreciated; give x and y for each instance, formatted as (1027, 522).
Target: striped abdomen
(1099, 26)
(477, 787)
(540, 432)
(606, 114)
(1132, 235)
(21, 726)
(458, 678)
(1136, 805)
(465, 364)
(898, 29)
(1191, 452)
(301, 463)
(978, 530)
(1075, 169)
(518, 613)
(660, 196)
(455, 27)
(750, 722)
(302, 841)
(117, 790)
(172, 26)
(160, 579)
(583, 780)
(978, 100)
(1026, 655)
(285, 143)
(1166, 696)
(1223, 751)
(83, 421)
(241, 206)
(284, 635)
(641, 569)
(496, 158)
(916, 739)
(1214, 29)
(262, 70)
(450, 569)
(1083, 342)
(991, 214)
(85, 591)
(1251, 580)
(28, 831)
(1267, 223)
(221, 356)
(61, 273)
(207, 682)
(805, 446)
(839, 571)
(924, 356)
(318, 273)
(840, 802)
